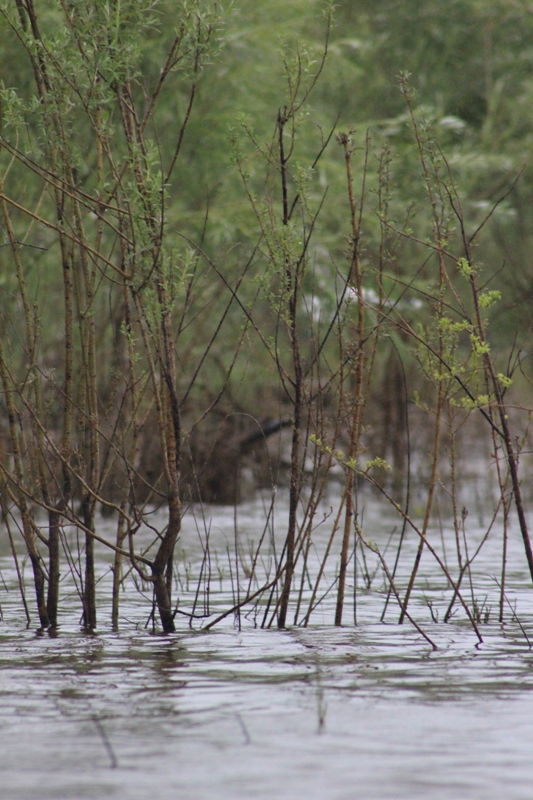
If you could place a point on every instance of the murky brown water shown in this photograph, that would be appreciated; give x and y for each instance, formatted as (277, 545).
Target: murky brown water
(359, 712)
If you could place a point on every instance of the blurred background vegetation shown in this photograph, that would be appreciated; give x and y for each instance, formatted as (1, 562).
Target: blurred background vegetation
(470, 65)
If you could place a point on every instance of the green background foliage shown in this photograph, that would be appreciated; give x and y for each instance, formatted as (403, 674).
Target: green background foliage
(470, 65)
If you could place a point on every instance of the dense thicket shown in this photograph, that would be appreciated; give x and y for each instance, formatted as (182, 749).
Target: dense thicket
(224, 223)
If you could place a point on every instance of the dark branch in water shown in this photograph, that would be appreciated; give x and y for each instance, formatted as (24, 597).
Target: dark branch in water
(264, 432)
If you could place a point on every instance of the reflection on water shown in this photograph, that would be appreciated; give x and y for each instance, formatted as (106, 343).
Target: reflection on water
(359, 712)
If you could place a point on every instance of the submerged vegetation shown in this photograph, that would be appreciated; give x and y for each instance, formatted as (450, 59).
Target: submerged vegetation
(231, 260)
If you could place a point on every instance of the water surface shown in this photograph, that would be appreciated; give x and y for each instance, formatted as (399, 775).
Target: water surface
(366, 712)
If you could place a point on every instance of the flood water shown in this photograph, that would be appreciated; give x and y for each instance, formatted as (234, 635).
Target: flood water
(367, 711)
